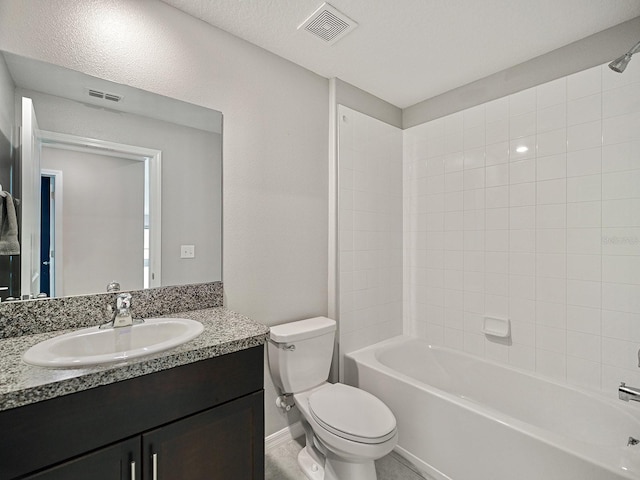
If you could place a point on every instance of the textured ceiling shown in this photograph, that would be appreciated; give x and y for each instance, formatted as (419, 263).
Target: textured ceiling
(405, 51)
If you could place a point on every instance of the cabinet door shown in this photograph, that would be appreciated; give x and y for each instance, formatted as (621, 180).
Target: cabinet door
(226, 442)
(117, 462)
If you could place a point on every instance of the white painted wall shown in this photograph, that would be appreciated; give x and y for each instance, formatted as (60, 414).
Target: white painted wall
(102, 227)
(369, 230)
(7, 107)
(275, 135)
(549, 237)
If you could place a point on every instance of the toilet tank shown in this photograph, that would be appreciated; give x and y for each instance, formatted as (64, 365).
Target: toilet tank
(300, 353)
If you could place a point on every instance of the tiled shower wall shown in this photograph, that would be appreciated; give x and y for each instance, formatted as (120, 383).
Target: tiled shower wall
(528, 208)
(370, 230)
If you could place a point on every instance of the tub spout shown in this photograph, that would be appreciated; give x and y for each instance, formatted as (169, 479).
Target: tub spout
(628, 393)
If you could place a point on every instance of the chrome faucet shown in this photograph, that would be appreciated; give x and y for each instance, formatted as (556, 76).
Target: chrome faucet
(628, 393)
(122, 315)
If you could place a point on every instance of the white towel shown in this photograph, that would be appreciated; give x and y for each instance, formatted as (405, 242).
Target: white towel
(9, 244)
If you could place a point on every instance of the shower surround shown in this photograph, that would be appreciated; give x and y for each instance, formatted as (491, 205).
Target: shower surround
(528, 208)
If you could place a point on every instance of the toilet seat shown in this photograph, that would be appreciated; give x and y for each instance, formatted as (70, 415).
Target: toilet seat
(352, 414)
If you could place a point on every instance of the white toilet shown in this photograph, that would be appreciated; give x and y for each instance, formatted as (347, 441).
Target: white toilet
(346, 428)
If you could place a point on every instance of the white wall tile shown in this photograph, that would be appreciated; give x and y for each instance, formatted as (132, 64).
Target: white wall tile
(497, 175)
(552, 93)
(584, 267)
(520, 195)
(522, 241)
(522, 171)
(554, 166)
(552, 290)
(551, 314)
(584, 189)
(585, 241)
(497, 131)
(551, 240)
(584, 109)
(551, 364)
(522, 125)
(584, 135)
(522, 356)
(551, 191)
(522, 287)
(496, 197)
(473, 179)
(584, 293)
(474, 137)
(621, 269)
(522, 264)
(473, 117)
(584, 373)
(523, 311)
(551, 216)
(549, 236)
(619, 353)
(621, 297)
(497, 262)
(619, 129)
(453, 162)
(584, 162)
(497, 109)
(522, 102)
(552, 118)
(587, 82)
(552, 339)
(497, 153)
(522, 148)
(553, 142)
(621, 213)
(621, 156)
(621, 185)
(621, 100)
(621, 325)
(551, 265)
(583, 319)
(584, 214)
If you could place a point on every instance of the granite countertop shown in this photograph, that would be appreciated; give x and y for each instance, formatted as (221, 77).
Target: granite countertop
(22, 384)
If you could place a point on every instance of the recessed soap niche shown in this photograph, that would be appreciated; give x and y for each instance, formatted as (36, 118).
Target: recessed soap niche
(496, 327)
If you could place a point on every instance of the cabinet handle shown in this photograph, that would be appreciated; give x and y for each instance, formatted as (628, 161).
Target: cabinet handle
(133, 470)
(154, 473)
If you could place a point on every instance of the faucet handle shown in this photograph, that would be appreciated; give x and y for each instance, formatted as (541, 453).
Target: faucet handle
(622, 384)
(123, 301)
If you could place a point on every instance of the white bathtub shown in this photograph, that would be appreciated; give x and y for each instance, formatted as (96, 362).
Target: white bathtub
(461, 417)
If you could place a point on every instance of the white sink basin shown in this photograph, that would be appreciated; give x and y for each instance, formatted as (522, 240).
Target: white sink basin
(92, 346)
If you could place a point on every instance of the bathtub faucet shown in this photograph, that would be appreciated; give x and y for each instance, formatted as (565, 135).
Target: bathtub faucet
(628, 393)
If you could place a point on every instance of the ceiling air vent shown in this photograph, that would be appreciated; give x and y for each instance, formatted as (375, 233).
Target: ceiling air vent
(112, 97)
(328, 24)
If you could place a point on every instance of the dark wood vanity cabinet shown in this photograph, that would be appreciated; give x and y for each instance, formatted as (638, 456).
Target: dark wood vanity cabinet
(201, 421)
(119, 461)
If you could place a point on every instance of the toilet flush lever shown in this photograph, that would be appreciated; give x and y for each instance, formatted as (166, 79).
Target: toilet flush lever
(290, 347)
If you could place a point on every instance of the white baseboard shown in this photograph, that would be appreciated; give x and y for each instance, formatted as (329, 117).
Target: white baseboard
(283, 436)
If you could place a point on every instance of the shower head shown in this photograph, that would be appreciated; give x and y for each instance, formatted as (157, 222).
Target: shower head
(620, 63)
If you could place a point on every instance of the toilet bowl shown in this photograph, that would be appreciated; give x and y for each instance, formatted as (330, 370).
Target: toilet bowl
(346, 428)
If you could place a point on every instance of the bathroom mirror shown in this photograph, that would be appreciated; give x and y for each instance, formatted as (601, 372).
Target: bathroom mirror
(127, 186)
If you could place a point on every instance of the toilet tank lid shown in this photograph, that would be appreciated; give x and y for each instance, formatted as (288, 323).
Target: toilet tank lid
(302, 329)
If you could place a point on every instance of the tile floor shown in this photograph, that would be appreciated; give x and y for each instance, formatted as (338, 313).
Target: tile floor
(282, 464)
